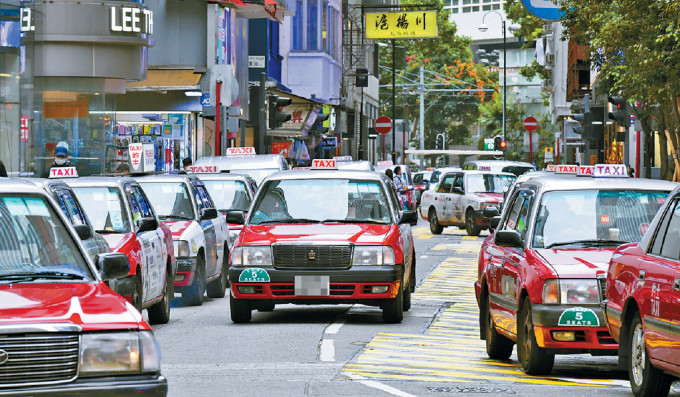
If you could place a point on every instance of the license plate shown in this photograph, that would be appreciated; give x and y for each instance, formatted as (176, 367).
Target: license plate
(312, 285)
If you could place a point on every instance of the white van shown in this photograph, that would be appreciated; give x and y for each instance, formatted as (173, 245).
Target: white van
(515, 167)
(257, 166)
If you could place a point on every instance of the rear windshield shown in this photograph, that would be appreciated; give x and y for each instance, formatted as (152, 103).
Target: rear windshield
(488, 183)
(171, 200)
(104, 206)
(228, 195)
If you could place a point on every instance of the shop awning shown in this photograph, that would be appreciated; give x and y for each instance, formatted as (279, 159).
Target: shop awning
(251, 9)
(167, 80)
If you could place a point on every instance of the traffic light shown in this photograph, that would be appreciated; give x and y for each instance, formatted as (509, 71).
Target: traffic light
(320, 123)
(580, 117)
(619, 113)
(499, 143)
(276, 114)
(440, 142)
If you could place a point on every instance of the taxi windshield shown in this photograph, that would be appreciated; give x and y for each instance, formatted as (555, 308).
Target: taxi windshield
(35, 244)
(258, 174)
(591, 216)
(105, 208)
(321, 200)
(171, 200)
(488, 183)
(228, 195)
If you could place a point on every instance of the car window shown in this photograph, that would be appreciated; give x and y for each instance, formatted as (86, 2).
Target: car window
(418, 178)
(510, 223)
(228, 194)
(488, 183)
(670, 248)
(661, 231)
(205, 197)
(197, 197)
(67, 201)
(105, 208)
(445, 186)
(392, 192)
(169, 199)
(519, 214)
(458, 182)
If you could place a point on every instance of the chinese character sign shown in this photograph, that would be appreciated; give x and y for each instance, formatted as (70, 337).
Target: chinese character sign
(401, 25)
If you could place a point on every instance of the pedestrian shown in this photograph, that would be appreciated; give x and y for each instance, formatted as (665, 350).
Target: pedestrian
(3, 171)
(123, 169)
(186, 163)
(401, 186)
(61, 155)
(390, 175)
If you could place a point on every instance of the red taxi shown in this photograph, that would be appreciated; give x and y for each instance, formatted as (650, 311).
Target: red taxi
(84, 338)
(120, 211)
(537, 273)
(642, 298)
(324, 236)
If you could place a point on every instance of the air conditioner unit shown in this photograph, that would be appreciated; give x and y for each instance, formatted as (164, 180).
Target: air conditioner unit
(549, 59)
(547, 85)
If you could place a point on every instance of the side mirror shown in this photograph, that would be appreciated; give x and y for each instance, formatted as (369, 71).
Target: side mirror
(208, 213)
(146, 225)
(114, 266)
(509, 238)
(490, 212)
(83, 231)
(236, 217)
(457, 190)
(410, 217)
(493, 223)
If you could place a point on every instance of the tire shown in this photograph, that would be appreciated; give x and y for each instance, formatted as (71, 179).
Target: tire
(160, 312)
(393, 309)
(498, 346)
(241, 311)
(435, 227)
(138, 294)
(645, 379)
(266, 307)
(407, 295)
(217, 288)
(534, 359)
(470, 226)
(194, 295)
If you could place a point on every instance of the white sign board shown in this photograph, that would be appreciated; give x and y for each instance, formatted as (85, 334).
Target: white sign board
(324, 164)
(256, 61)
(63, 172)
(135, 151)
(148, 157)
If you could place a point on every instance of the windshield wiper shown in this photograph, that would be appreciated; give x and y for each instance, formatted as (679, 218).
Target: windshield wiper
(589, 243)
(186, 218)
(354, 220)
(110, 231)
(290, 220)
(28, 277)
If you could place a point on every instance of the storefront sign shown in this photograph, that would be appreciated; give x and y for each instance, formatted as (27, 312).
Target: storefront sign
(135, 151)
(329, 143)
(26, 18)
(282, 148)
(24, 128)
(256, 61)
(131, 19)
(401, 24)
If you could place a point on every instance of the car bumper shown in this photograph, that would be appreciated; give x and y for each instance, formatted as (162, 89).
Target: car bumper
(186, 268)
(155, 385)
(350, 285)
(546, 320)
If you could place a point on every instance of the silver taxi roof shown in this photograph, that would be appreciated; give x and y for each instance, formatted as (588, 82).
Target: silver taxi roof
(475, 172)
(325, 174)
(88, 181)
(166, 178)
(16, 185)
(573, 182)
(46, 183)
(240, 162)
(224, 176)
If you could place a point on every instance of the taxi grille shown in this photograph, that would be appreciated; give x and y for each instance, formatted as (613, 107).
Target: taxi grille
(291, 256)
(335, 290)
(38, 359)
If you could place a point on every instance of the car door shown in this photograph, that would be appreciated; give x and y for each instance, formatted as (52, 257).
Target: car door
(221, 229)
(208, 231)
(442, 198)
(405, 233)
(457, 205)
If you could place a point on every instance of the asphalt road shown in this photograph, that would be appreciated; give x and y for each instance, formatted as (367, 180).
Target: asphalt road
(347, 350)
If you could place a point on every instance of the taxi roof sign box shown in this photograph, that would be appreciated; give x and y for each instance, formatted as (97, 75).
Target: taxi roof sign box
(324, 164)
(567, 169)
(385, 163)
(585, 170)
(142, 158)
(551, 168)
(205, 169)
(63, 172)
(342, 158)
(610, 171)
(236, 151)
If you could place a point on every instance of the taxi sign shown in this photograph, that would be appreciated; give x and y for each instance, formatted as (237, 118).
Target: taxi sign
(324, 164)
(342, 158)
(585, 170)
(385, 163)
(567, 169)
(63, 172)
(206, 169)
(610, 171)
(551, 168)
(235, 151)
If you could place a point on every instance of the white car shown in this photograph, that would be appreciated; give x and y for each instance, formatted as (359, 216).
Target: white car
(199, 232)
(461, 197)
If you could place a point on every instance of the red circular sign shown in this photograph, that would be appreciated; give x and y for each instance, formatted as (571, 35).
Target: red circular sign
(383, 125)
(530, 124)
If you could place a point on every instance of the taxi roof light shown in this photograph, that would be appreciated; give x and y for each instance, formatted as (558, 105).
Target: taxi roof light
(237, 151)
(324, 164)
(63, 172)
(205, 169)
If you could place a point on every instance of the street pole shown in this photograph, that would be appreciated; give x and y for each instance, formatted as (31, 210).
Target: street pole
(421, 121)
(394, 107)
(259, 137)
(218, 89)
(505, 79)
(531, 147)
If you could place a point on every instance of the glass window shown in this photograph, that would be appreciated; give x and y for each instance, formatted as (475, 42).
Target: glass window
(256, 173)
(445, 186)
(671, 241)
(298, 27)
(511, 221)
(587, 217)
(324, 26)
(170, 200)
(297, 201)
(74, 213)
(105, 208)
(205, 197)
(312, 25)
(488, 183)
(229, 195)
(33, 240)
(519, 215)
(139, 203)
(458, 182)
(661, 232)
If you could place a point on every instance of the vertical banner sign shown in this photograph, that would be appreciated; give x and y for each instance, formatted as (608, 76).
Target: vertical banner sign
(24, 128)
(148, 157)
(135, 151)
(401, 25)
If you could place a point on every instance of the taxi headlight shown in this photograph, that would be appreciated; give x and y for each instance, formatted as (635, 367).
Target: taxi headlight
(579, 292)
(122, 352)
(251, 256)
(372, 255)
(181, 248)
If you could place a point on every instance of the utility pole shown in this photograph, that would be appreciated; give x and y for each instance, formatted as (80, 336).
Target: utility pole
(394, 107)
(421, 121)
(262, 117)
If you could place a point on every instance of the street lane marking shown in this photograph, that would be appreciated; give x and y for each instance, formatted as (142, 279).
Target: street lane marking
(327, 350)
(380, 386)
(334, 328)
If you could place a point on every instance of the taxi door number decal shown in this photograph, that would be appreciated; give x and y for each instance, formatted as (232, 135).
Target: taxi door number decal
(579, 317)
(254, 275)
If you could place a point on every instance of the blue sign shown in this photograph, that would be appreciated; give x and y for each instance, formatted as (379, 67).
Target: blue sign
(205, 99)
(544, 9)
(329, 143)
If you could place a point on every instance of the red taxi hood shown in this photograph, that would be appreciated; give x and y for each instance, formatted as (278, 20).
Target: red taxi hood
(93, 306)
(177, 227)
(356, 233)
(489, 197)
(117, 240)
(577, 263)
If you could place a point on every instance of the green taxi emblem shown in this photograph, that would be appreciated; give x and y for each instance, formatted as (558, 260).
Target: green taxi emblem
(579, 317)
(254, 275)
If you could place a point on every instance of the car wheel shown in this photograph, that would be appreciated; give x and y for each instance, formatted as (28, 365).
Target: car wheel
(393, 309)
(534, 359)
(241, 312)
(194, 296)
(645, 379)
(218, 287)
(160, 312)
(137, 294)
(407, 295)
(435, 227)
(498, 346)
(470, 226)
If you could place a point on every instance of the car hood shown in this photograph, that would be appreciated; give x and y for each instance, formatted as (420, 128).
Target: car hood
(91, 305)
(489, 197)
(577, 263)
(355, 233)
(117, 240)
(177, 228)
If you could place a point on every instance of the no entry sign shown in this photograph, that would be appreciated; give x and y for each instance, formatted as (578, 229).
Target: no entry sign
(530, 124)
(383, 125)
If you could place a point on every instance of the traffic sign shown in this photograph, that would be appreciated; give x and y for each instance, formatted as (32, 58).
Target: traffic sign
(548, 156)
(489, 144)
(383, 125)
(530, 124)
(544, 9)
